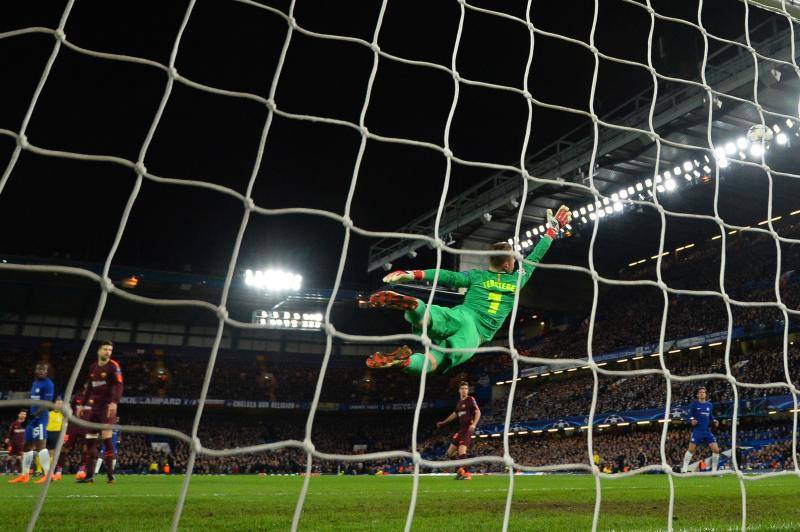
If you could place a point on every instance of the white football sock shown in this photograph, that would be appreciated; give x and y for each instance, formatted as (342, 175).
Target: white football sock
(686, 459)
(714, 461)
(97, 465)
(27, 460)
(44, 459)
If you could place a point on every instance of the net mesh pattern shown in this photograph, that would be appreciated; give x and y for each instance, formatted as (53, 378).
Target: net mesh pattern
(249, 209)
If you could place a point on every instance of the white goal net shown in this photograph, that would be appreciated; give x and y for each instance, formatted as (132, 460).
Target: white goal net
(784, 12)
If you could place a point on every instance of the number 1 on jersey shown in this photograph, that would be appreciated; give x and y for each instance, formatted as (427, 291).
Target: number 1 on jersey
(494, 302)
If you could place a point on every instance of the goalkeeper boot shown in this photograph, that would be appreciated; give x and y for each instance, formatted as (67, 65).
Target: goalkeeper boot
(80, 475)
(381, 361)
(21, 479)
(392, 300)
(56, 476)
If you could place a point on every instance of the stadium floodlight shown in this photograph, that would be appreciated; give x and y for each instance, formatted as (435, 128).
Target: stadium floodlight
(590, 207)
(756, 150)
(741, 143)
(487, 217)
(618, 206)
(677, 170)
(277, 280)
(615, 197)
(781, 138)
(648, 182)
(631, 191)
(411, 254)
(687, 166)
(583, 210)
(528, 234)
(542, 229)
(730, 148)
(669, 184)
(606, 201)
(584, 220)
(667, 175)
(510, 242)
(789, 123)
(722, 163)
(623, 194)
(776, 128)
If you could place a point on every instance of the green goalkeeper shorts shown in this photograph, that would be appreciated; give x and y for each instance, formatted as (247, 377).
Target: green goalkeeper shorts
(453, 328)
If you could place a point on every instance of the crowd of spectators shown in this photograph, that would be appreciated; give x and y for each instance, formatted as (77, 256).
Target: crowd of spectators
(239, 377)
(570, 394)
(626, 317)
(764, 444)
(631, 316)
(334, 433)
(634, 447)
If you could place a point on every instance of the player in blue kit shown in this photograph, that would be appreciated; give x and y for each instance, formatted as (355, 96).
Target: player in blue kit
(701, 417)
(36, 433)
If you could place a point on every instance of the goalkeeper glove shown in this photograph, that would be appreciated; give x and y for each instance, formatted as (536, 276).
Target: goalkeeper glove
(402, 276)
(555, 223)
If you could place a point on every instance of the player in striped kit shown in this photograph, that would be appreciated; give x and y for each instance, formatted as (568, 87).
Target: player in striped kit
(15, 440)
(468, 415)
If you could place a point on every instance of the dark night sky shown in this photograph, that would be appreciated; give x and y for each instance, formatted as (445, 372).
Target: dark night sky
(103, 107)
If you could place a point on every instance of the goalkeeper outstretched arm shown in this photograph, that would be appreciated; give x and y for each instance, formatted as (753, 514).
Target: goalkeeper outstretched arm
(555, 222)
(446, 277)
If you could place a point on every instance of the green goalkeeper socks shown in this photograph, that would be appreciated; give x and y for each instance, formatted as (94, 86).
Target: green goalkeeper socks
(417, 361)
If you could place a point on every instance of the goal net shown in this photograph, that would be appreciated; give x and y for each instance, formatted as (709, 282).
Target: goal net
(757, 62)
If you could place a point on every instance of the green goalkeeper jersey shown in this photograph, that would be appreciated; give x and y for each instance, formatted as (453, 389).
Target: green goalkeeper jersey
(490, 295)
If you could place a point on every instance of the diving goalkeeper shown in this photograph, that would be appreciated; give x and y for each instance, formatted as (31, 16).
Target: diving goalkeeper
(489, 299)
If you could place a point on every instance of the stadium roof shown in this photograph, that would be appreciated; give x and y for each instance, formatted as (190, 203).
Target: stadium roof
(625, 157)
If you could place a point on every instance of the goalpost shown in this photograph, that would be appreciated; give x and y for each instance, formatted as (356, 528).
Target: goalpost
(785, 9)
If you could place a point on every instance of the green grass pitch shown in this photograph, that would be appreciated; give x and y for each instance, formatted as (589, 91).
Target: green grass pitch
(552, 503)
